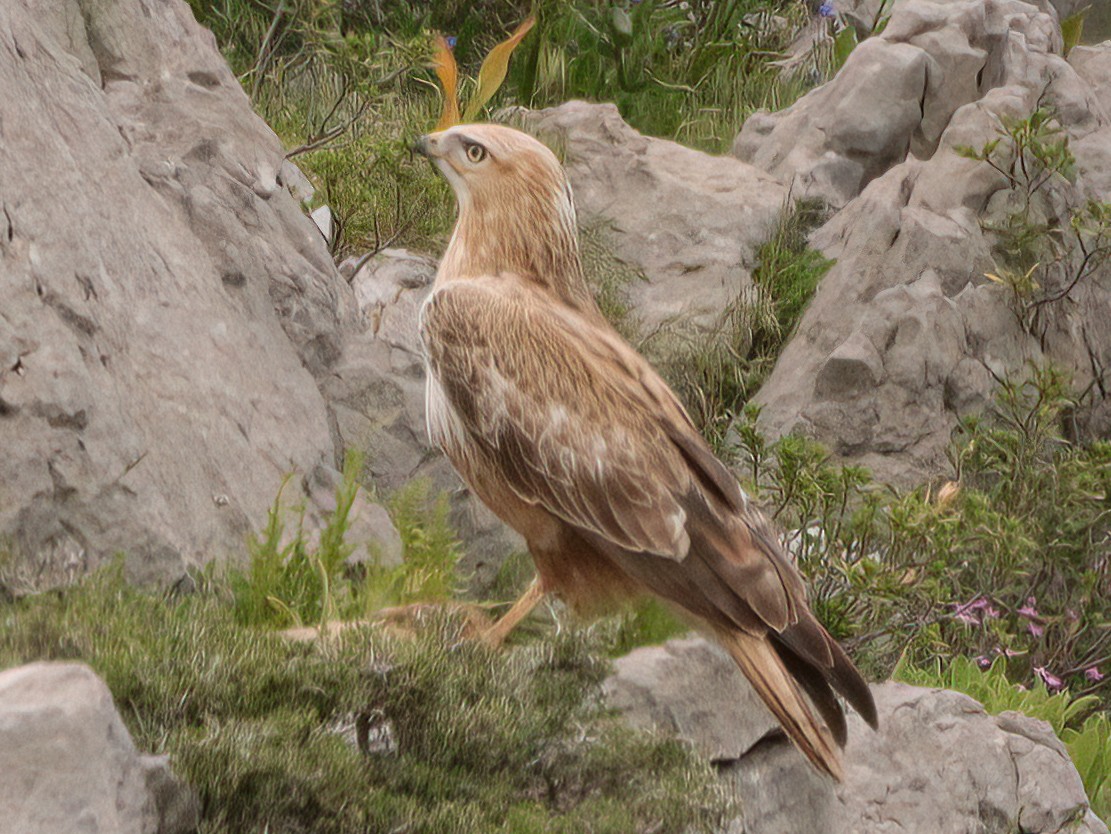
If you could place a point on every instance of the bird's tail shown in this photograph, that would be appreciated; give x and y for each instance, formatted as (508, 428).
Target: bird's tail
(765, 670)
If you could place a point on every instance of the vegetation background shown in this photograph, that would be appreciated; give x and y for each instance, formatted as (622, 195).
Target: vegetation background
(996, 582)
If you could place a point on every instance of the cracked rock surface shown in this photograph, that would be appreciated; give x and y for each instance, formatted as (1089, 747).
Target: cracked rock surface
(906, 335)
(166, 303)
(69, 764)
(938, 763)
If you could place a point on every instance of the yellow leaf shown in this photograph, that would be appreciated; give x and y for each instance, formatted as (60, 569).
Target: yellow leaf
(493, 70)
(994, 278)
(448, 73)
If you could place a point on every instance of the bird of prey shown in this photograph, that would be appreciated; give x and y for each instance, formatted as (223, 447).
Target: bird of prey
(572, 438)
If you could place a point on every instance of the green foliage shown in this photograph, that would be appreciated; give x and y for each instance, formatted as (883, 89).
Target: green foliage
(288, 582)
(1072, 29)
(692, 72)
(1013, 561)
(431, 551)
(1043, 252)
(1086, 734)
(715, 377)
(482, 741)
(291, 582)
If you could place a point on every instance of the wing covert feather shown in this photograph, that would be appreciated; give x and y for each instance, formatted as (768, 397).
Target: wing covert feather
(569, 428)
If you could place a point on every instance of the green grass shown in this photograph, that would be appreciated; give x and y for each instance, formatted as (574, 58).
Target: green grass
(347, 87)
(484, 741)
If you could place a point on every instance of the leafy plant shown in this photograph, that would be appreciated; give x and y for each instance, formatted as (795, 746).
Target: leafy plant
(368, 731)
(292, 581)
(1043, 256)
(1011, 560)
(490, 76)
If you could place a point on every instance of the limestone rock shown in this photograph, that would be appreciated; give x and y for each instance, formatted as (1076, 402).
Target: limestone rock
(938, 762)
(67, 762)
(166, 302)
(906, 335)
(688, 221)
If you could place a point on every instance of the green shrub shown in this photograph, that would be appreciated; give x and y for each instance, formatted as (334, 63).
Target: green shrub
(1014, 561)
(262, 727)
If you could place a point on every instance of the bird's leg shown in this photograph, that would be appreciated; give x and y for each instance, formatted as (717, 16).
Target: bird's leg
(496, 634)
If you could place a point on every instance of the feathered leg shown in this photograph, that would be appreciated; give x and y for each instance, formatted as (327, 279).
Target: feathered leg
(496, 634)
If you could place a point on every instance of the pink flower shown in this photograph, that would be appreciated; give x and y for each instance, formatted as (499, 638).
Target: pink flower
(990, 612)
(1011, 653)
(966, 617)
(1050, 680)
(1028, 611)
(1035, 629)
(1093, 674)
(983, 661)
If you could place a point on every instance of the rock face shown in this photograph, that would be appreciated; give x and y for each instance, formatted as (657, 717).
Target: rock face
(938, 763)
(166, 303)
(67, 762)
(688, 221)
(906, 335)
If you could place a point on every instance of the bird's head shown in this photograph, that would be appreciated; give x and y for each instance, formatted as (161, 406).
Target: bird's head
(491, 165)
(516, 213)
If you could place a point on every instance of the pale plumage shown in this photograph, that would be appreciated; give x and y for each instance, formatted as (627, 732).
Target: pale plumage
(574, 440)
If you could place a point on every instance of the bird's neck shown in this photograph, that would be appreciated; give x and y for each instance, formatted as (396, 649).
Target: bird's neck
(537, 241)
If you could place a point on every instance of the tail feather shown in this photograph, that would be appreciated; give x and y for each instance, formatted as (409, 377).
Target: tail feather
(811, 645)
(761, 664)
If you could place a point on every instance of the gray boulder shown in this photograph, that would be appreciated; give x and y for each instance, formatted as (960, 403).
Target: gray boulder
(905, 334)
(67, 762)
(166, 301)
(938, 763)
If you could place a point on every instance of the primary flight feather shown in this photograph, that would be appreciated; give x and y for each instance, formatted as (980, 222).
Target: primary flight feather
(575, 441)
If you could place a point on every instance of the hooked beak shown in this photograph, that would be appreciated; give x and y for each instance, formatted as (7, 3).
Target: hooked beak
(422, 146)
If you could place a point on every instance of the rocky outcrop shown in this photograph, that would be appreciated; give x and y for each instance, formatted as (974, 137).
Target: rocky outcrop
(938, 762)
(67, 762)
(166, 303)
(688, 221)
(906, 335)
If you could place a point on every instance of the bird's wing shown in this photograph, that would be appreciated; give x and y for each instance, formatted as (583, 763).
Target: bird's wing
(549, 399)
(579, 423)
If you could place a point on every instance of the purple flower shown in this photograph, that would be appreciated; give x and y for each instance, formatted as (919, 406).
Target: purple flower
(1050, 680)
(1035, 629)
(1093, 674)
(827, 10)
(1028, 611)
(966, 616)
(450, 39)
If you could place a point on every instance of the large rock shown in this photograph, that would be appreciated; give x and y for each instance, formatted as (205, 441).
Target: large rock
(906, 335)
(67, 762)
(165, 301)
(939, 763)
(688, 221)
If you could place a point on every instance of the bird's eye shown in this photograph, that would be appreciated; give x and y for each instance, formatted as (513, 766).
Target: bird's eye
(476, 153)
